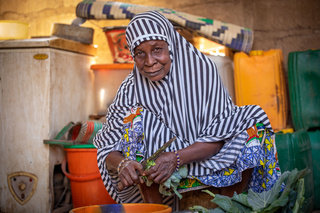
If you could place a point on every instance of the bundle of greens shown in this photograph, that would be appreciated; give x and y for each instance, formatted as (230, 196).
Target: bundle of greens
(290, 199)
(171, 183)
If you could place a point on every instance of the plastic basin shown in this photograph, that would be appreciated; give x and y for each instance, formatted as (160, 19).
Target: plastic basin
(124, 208)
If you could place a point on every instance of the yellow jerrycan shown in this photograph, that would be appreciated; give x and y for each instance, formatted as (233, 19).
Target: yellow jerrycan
(260, 80)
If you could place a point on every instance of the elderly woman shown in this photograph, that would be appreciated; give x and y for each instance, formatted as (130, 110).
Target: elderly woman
(175, 90)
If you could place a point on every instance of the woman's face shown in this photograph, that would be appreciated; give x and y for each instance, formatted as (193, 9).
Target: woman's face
(152, 59)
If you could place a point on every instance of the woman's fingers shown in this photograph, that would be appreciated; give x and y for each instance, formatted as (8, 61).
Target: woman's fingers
(159, 176)
(162, 177)
(128, 173)
(165, 166)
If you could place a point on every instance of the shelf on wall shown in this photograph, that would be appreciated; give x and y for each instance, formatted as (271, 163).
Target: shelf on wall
(112, 66)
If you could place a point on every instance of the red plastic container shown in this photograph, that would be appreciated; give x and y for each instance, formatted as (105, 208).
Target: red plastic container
(87, 187)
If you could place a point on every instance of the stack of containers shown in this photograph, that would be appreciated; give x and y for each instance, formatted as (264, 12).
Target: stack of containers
(87, 187)
(304, 90)
(260, 79)
(81, 168)
(80, 163)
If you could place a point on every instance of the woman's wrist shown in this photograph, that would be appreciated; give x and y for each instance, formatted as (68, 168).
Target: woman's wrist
(178, 160)
(121, 164)
(113, 160)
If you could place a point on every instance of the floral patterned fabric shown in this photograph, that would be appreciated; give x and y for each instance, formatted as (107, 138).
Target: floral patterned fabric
(259, 153)
(131, 143)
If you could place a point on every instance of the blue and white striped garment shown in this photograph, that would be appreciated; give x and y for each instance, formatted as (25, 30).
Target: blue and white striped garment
(190, 103)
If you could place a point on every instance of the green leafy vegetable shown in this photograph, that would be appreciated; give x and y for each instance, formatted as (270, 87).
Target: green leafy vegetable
(300, 198)
(241, 198)
(199, 209)
(274, 200)
(225, 203)
(171, 183)
(150, 163)
(290, 183)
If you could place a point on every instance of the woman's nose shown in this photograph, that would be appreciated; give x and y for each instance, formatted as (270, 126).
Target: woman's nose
(150, 59)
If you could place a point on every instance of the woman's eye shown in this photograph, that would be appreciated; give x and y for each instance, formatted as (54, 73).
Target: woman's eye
(157, 49)
(138, 53)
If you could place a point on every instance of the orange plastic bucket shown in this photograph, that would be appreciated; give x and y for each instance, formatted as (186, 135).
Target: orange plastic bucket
(87, 187)
(125, 208)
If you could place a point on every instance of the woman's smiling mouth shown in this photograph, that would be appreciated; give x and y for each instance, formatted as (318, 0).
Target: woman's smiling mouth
(153, 73)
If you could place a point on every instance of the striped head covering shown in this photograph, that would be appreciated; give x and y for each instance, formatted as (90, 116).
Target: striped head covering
(191, 100)
(144, 28)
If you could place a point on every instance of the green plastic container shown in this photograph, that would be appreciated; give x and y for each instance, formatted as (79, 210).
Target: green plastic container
(315, 149)
(304, 88)
(294, 151)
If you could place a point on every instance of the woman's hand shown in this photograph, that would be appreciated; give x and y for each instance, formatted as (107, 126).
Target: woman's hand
(128, 173)
(166, 164)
